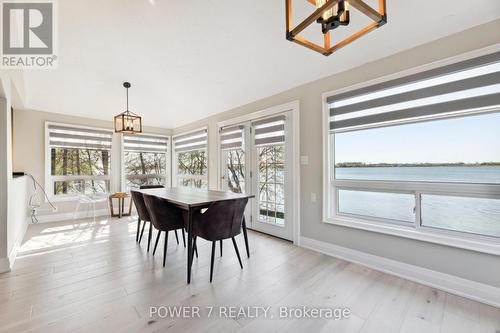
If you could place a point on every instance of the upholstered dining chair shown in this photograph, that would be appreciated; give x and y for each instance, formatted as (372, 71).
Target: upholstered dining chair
(165, 217)
(144, 187)
(222, 220)
(143, 216)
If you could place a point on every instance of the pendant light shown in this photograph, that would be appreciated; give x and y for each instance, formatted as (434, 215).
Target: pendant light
(128, 122)
(331, 14)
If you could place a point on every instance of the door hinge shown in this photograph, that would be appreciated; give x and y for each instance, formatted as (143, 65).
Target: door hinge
(251, 174)
(251, 218)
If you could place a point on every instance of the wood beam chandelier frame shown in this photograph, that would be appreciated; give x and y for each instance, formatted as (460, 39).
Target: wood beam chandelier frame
(332, 14)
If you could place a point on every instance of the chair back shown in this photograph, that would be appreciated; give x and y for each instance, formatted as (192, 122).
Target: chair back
(221, 220)
(144, 187)
(164, 215)
(142, 211)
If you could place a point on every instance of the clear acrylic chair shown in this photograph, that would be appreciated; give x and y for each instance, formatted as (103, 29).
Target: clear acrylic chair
(90, 200)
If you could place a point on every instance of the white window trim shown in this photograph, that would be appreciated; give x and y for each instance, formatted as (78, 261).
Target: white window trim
(49, 179)
(294, 107)
(175, 177)
(167, 175)
(463, 240)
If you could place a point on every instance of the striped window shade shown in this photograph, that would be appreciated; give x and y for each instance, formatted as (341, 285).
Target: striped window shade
(471, 85)
(231, 137)
(61, 136)
(192, 141)
(145, 143)
(269, 130)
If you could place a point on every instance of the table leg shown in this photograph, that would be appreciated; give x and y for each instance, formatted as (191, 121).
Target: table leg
(190, 244)
(111, 207)
(120, 207)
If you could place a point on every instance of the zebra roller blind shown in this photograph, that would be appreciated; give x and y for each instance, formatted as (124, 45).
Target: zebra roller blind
(61, 136)
(465, 86)
(269, 130)
(231, 137)
(145, 143)
(191, 141)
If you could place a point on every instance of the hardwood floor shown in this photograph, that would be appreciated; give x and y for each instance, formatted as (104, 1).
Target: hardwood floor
(85, 277)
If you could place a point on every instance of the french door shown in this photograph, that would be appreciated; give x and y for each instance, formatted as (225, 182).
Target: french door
(256, 159)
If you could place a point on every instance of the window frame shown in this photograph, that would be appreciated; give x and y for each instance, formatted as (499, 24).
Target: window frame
(167, 175)
(475, 242)
(175, 176)
(50, 179)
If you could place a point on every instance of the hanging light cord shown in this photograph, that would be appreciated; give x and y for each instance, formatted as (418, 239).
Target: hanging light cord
(127, 99)
(33, 196)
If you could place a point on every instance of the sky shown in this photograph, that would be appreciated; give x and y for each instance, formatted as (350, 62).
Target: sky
(469, 140)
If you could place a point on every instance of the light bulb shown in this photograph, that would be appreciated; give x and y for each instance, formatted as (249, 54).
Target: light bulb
(346, 10)
(327, 13)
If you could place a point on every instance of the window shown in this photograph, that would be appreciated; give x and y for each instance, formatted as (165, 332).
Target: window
(191, 167)
(233, 158)
(79, 160)
(420, 152)
(270, 145)
(145, 160)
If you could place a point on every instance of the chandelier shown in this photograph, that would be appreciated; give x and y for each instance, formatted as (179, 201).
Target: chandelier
(331, 14)
(128, 122)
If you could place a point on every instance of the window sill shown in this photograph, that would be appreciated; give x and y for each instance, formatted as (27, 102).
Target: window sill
(478, 244)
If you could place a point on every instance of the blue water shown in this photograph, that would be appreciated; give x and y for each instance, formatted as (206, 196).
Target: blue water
(483, 175)
(471, 215)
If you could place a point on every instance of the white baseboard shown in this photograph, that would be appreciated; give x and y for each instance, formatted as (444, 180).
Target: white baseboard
(70, 216)
(455, 285)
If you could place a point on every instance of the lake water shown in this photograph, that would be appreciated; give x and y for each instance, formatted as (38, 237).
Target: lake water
(471, 215)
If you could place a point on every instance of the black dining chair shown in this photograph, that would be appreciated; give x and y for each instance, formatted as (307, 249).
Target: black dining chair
(143, 216)
(145, 187)
(245, 237)
(165, 217)
(222, 220)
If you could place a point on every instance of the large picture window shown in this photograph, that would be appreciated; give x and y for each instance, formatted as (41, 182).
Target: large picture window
(190, 159)
(419, 152)
(79, 160)
(145, 160)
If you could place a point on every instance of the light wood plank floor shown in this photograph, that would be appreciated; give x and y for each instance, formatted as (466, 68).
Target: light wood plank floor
(86, 277)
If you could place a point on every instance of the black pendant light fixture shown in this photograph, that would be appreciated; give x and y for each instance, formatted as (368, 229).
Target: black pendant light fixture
(128, 122)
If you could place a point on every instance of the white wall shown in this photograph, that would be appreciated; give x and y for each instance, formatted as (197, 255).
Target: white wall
(17, 221)
(470, 265)
(5, 168)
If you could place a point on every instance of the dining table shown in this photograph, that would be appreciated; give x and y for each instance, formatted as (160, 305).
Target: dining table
(191, 200)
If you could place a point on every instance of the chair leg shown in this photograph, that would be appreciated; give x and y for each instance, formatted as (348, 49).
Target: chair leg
(176, 236)
(237, 252)
(195, 249)
(220, 247)
(245, 236)
(165, 248)
(138, 230)
(150, 234)
(212, 261)
(183, 237)
(142, 231)
(76, 209)
(156, 243)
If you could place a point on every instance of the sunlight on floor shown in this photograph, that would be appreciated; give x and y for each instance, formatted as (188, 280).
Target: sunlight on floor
(60, 236)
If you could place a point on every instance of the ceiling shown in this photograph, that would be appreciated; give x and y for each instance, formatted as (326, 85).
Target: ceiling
(190, 59)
